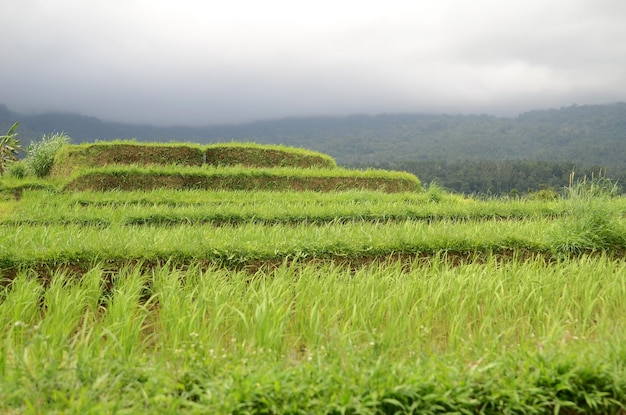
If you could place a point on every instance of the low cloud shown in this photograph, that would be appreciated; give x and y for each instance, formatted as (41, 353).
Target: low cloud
(190, 62)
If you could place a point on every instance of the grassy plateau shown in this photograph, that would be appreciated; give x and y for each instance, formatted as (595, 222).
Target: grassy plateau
(269, 300)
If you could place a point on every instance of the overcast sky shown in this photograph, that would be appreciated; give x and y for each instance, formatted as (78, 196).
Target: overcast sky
(207, 61)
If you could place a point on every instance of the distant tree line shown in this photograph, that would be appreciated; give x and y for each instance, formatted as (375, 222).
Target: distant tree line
(513, 177)
(465, 153)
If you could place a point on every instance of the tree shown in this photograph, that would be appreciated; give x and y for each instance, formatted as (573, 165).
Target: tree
(9, 148)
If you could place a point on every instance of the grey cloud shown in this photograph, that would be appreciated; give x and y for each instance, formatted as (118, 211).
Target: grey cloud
(200, 63)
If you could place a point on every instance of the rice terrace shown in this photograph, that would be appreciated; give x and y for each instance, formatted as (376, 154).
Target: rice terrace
(259, 279)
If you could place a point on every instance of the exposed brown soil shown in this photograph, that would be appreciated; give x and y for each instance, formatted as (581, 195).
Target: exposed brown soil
(100, 155)
(105, 154)
(263, 158)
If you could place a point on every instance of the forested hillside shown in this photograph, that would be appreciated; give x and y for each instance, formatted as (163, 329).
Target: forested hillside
(467, 153)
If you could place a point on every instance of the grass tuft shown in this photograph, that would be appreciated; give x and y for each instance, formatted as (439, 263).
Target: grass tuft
(40, 155)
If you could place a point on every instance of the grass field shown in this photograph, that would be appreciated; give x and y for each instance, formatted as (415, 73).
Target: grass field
(342, 302)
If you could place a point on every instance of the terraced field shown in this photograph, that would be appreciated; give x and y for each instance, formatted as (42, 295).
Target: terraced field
(282, 301)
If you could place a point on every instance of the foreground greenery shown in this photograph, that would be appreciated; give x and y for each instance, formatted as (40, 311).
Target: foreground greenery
(172, 301)
(523, 336)
(9, 148)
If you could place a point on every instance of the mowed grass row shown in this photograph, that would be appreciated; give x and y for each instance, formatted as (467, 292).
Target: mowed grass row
(29, 245)
(195, 207)
(524, 336)
(588, 229)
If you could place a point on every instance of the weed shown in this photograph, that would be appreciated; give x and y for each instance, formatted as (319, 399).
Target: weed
(18, 170)
(435, 193)
(595, 187)
(591, 223)
(40, 155)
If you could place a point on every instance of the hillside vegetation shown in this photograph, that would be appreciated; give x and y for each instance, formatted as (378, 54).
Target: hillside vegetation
(465, 153)
(140, 166)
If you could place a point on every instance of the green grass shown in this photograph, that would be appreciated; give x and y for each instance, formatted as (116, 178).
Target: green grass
(236, 245)
(13, 188)
(45, 229)
(309, 302)
(520, 337)
(168, 207)
(252, 242)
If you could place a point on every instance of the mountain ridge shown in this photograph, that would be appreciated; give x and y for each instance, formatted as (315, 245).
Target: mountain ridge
(585, 134)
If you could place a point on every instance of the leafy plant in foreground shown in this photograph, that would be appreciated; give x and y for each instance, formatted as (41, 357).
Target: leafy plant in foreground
(40, 155)
(9, 147)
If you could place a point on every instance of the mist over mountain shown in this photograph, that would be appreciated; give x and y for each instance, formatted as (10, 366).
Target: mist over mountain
(577, 136)
(587, 134)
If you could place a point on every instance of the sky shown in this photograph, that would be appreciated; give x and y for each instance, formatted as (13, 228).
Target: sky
(203, 62)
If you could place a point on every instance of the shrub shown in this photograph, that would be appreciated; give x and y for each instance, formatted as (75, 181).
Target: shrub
(435, 193)
(17, 170)
(546, 194)
(590, 225)
(40, 155)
